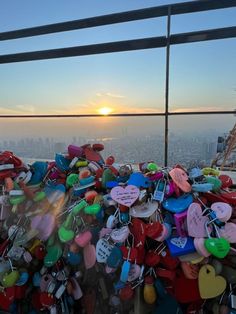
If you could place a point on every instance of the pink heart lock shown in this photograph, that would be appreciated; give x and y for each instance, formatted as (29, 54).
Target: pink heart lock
(223, 211)
(228, 232)
(134, 272)
(200, 247)
(44, 224)
(109, 270)
(104, 231)
(89, 253)
(83, 239)
(196, 221)
(125, 196)
(120, 235)
(180, 178)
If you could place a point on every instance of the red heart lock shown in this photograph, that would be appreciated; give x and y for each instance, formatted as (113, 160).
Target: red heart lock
(167, 275)
(89, 301)
(212, 198)
(129, 253)
(126, 293)
(20, 292)
(168, 261)
(229, 197)
(123, 208)
(186, 290)
(35, 299)
(7, 298)
(140, 255)
(153, 230)
(47, 299)
(40, 252)
(152, 258)
(92, 155)
(190, 270)
(138, 229)
(226, 181)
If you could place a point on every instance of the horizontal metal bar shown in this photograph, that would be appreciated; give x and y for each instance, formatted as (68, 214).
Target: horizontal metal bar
(142, 114)
(182, 113)
(134, 15)
(137, 44)
(118, 46)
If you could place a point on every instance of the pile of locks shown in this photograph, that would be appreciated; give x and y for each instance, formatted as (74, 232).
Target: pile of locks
(83, 235)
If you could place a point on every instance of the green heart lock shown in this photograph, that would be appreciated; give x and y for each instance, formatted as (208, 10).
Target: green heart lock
(107, 176)
(215, 181)
(9, 279)
(92, 209)
(65, 233)
(79, 207)
(53, 254)
(72, 179)
(39, 196)
(218, 247)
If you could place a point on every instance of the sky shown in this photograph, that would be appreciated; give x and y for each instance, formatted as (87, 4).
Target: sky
(202, 75)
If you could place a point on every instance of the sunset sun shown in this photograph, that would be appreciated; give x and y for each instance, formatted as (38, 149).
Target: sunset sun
(105, 111)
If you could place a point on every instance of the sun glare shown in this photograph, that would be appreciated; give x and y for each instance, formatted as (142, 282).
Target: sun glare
(105, 111)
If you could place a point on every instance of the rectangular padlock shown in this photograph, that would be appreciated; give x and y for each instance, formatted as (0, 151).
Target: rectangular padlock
(159, 192)
(233, 301)
(51, 287)
(60, 290)
(103, 288)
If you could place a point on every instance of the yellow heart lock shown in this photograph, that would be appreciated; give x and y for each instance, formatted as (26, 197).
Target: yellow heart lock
(210, 285)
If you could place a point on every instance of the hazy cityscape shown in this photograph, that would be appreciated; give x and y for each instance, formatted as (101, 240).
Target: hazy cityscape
(184, 149)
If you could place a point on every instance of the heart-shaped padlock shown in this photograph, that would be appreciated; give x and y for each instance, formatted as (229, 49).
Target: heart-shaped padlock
(103, 250)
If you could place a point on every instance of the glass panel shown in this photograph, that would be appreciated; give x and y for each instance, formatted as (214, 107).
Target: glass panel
(124, 82)
(202, 76)
(193, 139)
(130, 140)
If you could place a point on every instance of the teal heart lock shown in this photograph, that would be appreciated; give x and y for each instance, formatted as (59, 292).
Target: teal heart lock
(74, 258)
(115, 258)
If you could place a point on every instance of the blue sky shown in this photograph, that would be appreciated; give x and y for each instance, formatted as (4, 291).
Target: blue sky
(202, 75)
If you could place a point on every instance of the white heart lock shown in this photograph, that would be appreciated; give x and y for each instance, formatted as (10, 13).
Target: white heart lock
(103, 250)
(112, 221)
(120, 235)
(134, 272)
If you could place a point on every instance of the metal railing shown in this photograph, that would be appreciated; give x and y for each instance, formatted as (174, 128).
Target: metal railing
(127, 45)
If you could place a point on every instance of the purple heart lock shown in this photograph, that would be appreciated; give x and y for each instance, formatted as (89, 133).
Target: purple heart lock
(44, 224)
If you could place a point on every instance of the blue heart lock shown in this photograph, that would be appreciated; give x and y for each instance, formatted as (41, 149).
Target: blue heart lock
(115, 258)
(118, 285)
(62, 163)
(180, 245)
(24, 276)
(139, 180)
(195, 172)
(39, 170)
(54, 192)
(168, 305)
(111, 184)
(74, 258)
(202, 187)
(178, 205)
(36, 279)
